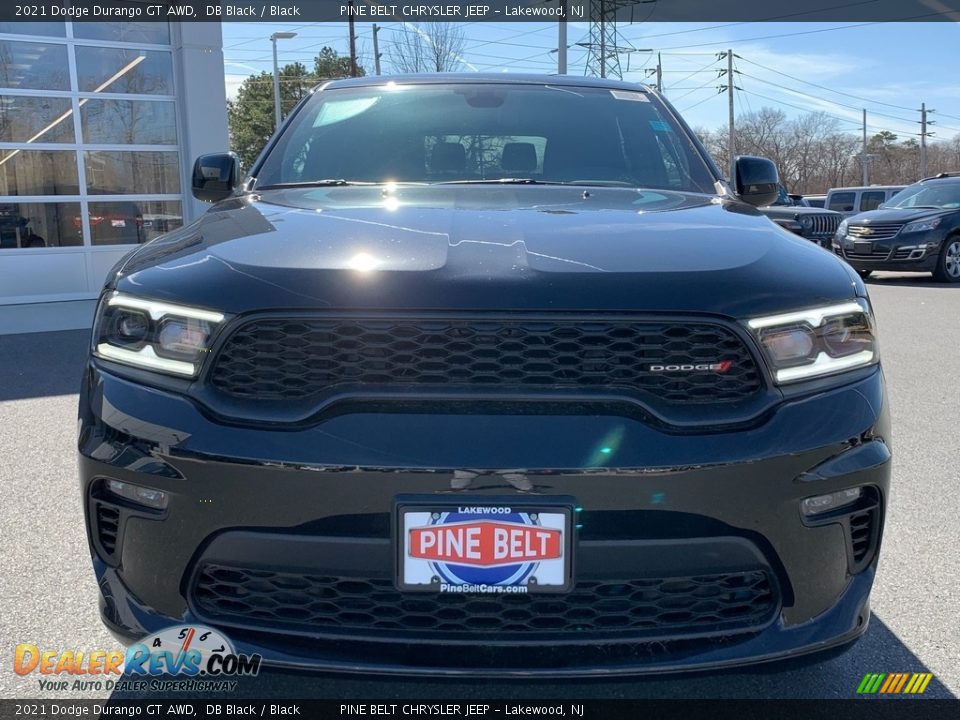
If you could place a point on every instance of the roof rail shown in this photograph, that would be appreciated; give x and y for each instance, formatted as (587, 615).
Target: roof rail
(938, 176)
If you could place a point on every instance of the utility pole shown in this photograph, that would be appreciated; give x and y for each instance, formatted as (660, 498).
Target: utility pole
(864, 160)
(732, 140)
(924, 123)
(923, 140)
(562, 39)
(659, 75)
(353, 40)
(376, 49)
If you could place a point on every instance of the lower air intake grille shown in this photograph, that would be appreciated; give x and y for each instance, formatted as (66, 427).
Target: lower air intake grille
(714, 604)
(108, 527)
(862, 534)
(287, 358)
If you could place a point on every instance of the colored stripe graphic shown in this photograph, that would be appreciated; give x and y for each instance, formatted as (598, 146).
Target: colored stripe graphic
(918, 683)
(903, 680)
(891, 681)
(894, 683)
(870, 683)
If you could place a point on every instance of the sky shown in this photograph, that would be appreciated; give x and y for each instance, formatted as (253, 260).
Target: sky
(837, 68)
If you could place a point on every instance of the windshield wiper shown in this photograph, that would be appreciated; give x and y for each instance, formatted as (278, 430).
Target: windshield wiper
(330, 182)
(503, 181)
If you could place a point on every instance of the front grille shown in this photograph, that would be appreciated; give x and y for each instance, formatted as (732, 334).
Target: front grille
(878, 231)
(825, 225)
(288, 358)
(875, 254)
(108, 527)
(720, 604)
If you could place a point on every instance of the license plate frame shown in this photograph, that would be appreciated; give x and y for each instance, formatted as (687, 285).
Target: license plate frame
(525, 524)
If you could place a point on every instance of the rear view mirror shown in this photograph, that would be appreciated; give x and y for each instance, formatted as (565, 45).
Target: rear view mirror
(755, 180)
(215, 176)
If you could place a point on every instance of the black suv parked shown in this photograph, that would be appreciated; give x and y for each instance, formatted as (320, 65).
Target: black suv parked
(816, 224)
(486, 375)
(918, 230)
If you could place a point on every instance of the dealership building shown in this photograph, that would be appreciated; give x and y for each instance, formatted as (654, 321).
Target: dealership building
(99, 126)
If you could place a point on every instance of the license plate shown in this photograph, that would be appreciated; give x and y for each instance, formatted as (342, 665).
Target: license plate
(478, 546)
(863, 248)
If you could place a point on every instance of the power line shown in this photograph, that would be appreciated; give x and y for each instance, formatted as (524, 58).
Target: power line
(798, 107)
(820, 99)
(823, 87)
(709, 82)
(849, 107)
(701, 102)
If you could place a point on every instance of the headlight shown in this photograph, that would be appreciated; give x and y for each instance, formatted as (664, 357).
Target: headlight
(816, 342)
(841, 230)
(806, 222)
(787, 224)
(153, 335)
(922, 225)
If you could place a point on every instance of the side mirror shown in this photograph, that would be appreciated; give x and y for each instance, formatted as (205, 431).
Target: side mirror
(755, 180)
(215, 176)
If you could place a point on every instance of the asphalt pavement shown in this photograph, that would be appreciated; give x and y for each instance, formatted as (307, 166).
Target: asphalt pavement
(49, 595)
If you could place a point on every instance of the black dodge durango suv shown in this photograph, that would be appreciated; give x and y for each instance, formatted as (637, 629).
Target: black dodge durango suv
(486, 375)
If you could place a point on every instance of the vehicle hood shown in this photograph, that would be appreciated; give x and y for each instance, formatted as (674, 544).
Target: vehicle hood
(486, 247)
(895, 215)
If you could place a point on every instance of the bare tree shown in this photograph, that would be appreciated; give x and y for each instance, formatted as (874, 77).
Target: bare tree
(427, 47)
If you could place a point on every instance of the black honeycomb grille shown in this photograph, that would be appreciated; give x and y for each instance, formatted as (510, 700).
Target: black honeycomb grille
(718, 604)
(276, 359)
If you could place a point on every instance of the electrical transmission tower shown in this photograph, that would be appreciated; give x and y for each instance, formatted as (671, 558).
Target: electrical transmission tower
(604, 58)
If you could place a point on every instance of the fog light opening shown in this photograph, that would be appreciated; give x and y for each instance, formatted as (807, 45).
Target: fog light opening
(156, 499)
(819, 504)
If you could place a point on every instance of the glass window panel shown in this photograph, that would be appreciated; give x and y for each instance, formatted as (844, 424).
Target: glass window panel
(130, 222)
(119, 70)
(842, 201)
(132, 173)
(52, 29)
(140, 122)
(33, 66)
(871, 200)
(33, 225)
(156, 33)
(35, 119)
(38, 172)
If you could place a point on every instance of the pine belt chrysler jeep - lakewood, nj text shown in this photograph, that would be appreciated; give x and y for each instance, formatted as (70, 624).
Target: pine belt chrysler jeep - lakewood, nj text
(487, 375)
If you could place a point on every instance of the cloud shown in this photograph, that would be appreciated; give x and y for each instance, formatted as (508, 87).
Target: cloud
(233, 83)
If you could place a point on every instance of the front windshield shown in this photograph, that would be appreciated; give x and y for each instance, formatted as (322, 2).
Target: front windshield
(943, 195)
(432, 133)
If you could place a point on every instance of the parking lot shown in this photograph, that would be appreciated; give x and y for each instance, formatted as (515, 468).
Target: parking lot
(49, 596)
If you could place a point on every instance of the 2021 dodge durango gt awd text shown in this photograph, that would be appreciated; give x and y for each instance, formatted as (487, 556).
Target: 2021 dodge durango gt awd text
(486, 375)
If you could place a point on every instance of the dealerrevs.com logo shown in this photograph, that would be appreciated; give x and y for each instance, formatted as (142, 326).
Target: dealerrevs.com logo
(187, 658)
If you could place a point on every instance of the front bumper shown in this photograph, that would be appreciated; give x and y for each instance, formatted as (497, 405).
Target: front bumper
(916, 252)
(305, 513)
